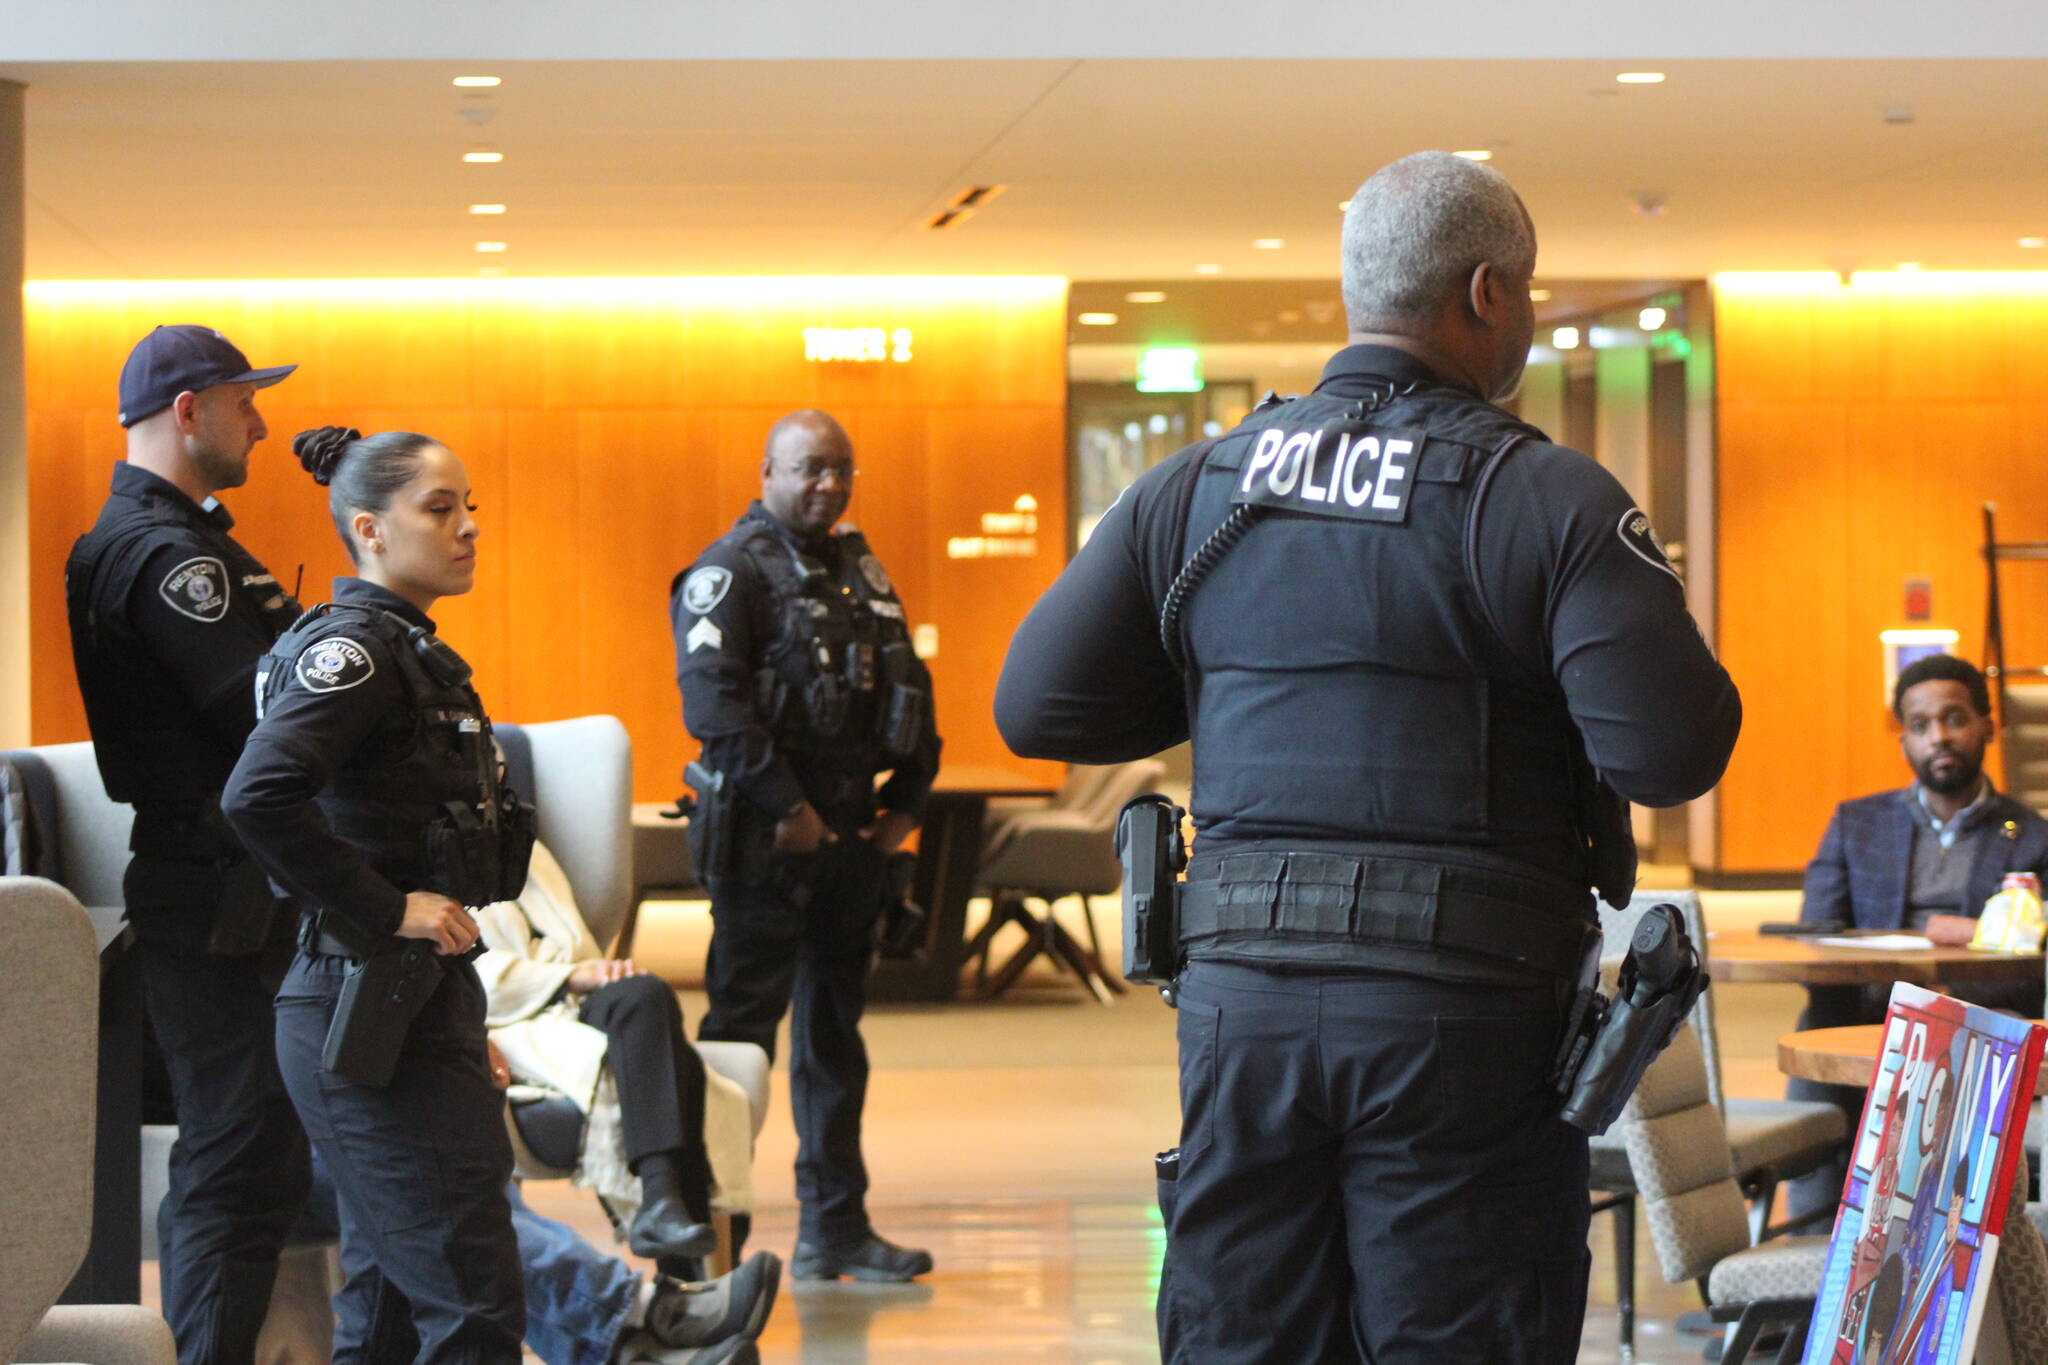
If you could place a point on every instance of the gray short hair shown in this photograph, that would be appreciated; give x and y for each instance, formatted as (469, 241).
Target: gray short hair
(1417, 230)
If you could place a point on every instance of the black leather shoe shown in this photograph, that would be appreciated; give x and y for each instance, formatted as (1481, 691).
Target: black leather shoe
(735, 1305)
(664, 1228)
(870, 1258)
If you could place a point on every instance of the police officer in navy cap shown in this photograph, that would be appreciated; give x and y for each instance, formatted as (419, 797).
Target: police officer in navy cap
(168, 618)
(1467, 641)
(797, 674)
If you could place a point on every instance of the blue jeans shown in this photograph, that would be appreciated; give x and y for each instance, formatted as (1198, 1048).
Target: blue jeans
(577, 1298)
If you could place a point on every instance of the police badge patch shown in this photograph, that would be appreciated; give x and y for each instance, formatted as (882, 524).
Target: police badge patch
(335, 664)
(705, 588)
(198, 588)
(1641, 538)
(871, 569)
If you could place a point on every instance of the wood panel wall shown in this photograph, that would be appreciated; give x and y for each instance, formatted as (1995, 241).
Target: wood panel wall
(611, 429)
(1862, 427)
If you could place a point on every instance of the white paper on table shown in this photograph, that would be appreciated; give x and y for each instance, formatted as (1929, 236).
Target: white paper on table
(1884, 943)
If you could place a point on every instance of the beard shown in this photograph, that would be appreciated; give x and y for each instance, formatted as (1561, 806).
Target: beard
(219, 470)
(1960, 779)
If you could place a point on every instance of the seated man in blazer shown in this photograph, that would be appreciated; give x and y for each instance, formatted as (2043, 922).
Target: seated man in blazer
(1922, 859)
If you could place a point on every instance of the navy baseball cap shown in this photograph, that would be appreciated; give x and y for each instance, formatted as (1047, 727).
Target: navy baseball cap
(184, 358)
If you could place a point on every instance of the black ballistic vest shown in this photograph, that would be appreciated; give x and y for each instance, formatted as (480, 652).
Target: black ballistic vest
(153, 749)
(1349, 696)
(427, 775)
(835, 686)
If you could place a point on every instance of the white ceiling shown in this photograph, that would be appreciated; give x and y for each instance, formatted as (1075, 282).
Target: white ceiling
(1117, 169)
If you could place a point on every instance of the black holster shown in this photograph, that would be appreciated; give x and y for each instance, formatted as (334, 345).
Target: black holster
(1612, 1042)
(1149, 844)
(900, 929)
(380, 997)
(243, 915)
(712, 833)
(247, 909)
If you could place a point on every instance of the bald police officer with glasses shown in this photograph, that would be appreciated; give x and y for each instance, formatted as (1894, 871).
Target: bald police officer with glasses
(1404, 631)
(797, 674)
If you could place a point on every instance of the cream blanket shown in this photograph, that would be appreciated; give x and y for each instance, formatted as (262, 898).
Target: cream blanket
(531, 946)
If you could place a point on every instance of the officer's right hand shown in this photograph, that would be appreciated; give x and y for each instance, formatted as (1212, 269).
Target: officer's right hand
(440, 921)
(802, 831)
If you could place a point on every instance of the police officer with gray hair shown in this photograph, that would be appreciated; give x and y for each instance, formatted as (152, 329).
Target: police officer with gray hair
(1408, 784)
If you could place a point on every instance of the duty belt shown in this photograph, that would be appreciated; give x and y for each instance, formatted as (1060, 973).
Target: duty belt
(1399, 902)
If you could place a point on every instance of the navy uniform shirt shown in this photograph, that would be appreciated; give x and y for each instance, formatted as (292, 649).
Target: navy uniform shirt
(169, 616)
(345, 706)
(720, 648)
(1580, 590)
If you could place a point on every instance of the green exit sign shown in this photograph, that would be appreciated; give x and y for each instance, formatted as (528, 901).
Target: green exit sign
(1170, 369)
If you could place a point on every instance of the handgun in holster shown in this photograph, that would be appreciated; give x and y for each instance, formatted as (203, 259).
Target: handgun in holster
(1611, 1042)
(1149, 844)
(711, 832)
(900, 929)
(380, 997)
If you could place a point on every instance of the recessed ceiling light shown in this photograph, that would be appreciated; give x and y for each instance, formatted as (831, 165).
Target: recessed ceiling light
(483, 155)
(1565, 338)
(1475, 154)
(1650, 319)
(1539, 296)
(476, 82)
(486, 208)
(2034, 243)
(1146, 296)
(1641, 78)
(490, 246)
(1097, 319)
(1909, 266)
(1208, 270)
(1269, 243)
(1344, 206)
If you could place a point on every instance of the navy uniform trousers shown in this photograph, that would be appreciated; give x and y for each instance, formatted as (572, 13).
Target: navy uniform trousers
(419, 1169)
(800, 937)
(1371, 1169)
(239, 1169)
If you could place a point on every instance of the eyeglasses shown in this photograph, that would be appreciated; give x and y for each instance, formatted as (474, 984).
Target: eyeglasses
(817, 471)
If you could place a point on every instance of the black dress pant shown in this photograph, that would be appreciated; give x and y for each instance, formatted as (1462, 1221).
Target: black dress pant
(419, 1168)
(239, 1169)
(1371, 1169)
(660, 1078)
(800, 937)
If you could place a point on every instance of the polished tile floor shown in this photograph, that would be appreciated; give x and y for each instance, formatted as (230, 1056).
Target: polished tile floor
(1014, 1139)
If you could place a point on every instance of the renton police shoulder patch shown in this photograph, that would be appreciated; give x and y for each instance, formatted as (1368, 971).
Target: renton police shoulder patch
(1344, 469)
(1641, 538)
(335, 664)
(871, 569)
(705, 588)
(198, 588)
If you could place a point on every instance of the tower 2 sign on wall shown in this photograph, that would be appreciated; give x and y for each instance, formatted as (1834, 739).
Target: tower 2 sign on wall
(857, 344)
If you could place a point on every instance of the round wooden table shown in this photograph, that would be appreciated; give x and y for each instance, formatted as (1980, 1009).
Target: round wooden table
(1846, 1056)
(1746, 955)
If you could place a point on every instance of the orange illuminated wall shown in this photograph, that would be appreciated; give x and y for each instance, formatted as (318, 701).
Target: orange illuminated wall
(1862, 427)
(612, 429)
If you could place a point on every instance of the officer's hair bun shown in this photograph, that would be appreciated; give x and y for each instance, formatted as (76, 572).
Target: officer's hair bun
(320, 450)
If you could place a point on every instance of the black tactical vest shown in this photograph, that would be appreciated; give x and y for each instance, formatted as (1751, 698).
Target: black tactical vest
(153, 749)
(422, 801)
(1348, 695)
(835, 687)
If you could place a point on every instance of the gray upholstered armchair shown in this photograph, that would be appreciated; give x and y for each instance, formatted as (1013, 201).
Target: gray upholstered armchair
(49, 1047)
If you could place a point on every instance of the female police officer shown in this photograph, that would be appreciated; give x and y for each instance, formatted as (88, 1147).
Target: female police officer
(370, 793)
